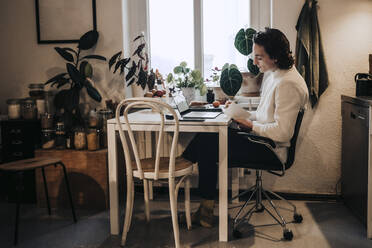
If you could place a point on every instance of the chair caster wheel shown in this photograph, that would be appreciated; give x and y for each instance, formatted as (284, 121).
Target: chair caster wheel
(297, 218)
(287, 235)
(259, 210)
(237, 234)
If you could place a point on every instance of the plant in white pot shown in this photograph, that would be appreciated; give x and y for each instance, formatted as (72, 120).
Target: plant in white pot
(252, 79)
(188, 81)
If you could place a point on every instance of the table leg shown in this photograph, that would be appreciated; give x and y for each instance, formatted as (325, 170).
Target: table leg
(222, 184)
(113, 179)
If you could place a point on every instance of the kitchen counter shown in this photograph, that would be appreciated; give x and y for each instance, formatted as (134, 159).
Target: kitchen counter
(359, 100)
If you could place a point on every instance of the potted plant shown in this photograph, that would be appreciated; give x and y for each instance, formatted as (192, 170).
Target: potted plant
(188, 81)
(231, 80)
(244, 44)
(78, 75)
(138, 71)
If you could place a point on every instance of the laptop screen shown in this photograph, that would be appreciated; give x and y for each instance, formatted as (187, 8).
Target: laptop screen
(181, 104)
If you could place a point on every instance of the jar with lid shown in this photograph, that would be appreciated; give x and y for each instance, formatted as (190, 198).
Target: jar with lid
(93, 139)
(28, 109)
(14, 108)
(49, 105)
(60, 142)
(210, 96)
(46, 121)
(47, 138)
(93, 118)
(80, 139)
(36, 91)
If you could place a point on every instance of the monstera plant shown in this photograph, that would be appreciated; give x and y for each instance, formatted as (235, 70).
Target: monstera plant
(231, 79)
(78, 75)
(244, 43)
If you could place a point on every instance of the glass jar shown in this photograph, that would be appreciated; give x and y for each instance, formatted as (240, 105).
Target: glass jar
(93, 119)
(14, 108)
(210, 96)
(80, 139)
(28, 109)
(104, 115)
(46, 121)
(49, 105)
(36, 91)
(47, 139)
(60, 142)
(93, 139)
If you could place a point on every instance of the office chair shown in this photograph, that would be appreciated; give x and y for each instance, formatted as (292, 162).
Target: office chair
(258, 189)
(172, 171)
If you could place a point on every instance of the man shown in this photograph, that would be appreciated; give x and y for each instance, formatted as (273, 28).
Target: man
(283, 94)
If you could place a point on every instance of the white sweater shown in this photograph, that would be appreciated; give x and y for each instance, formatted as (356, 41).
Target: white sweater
(284, 92)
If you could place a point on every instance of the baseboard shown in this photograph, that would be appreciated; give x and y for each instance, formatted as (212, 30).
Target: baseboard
(162, 192)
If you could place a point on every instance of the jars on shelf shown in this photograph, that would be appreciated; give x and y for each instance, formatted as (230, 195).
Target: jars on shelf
(46, 121)
(80, 139)
(36, 91)
(47, 138)
(60, 140)
(93, 119)
(93, 139)
(28, 109)
(14, 108)
(104, 114)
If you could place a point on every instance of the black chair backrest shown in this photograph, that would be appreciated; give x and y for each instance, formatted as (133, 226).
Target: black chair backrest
(292, 148)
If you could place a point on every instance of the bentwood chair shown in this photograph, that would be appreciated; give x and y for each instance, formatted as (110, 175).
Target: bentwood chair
(277, 168)
(19, 167)
(172, 171)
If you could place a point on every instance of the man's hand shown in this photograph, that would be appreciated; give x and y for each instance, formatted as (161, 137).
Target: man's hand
(244, 124)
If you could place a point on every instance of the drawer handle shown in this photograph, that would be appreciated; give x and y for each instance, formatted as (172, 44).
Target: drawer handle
(16, 142)
(355, 116)
(17, 154)
(15, 131)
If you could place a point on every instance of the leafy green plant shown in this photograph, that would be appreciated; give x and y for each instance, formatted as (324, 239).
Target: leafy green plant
(137, 71)
(231, 79)
(215, 76)
(187, 78)
(78, 74)
(244, 43)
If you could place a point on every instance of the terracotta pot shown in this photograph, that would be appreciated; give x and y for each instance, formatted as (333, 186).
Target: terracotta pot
(251, 84)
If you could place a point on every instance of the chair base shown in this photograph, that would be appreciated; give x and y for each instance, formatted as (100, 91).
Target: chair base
(258, 207)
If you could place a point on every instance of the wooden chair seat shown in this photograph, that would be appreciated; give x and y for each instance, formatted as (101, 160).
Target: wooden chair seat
(182, 167)
(29, 164)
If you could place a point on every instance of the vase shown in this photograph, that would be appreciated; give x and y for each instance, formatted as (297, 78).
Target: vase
(189, 94)
(251, 84)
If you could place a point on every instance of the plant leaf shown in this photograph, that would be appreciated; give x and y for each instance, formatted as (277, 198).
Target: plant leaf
(99, 57)
(252, 68)
(62, 82)
(113, 59)
(69, 49)
(75, 75)
(131, 81)
(131, 72)
(142, 78)
(138, 37)
(53, 79)
(139, 50)
(151, 80)
(64, 54)
(244, 41)
(231, 80)
(86, 69)
(124, 62)
(93, 93)
(88, 40)
(117, 65)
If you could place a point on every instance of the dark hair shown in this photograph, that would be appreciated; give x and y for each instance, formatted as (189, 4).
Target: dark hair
(276, 46)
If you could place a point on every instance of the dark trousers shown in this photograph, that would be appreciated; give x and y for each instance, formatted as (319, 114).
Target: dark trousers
(203, 149)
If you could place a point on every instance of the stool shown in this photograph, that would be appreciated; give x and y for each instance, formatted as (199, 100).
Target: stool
(18, 167)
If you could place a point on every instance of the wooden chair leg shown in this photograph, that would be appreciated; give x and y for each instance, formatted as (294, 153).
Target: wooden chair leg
(131, 206)
(128, 210)
(187, 203)
(146, 198)
(151, 190)
(69, 192)
(173, 204)
(46, 190)
(18, 204)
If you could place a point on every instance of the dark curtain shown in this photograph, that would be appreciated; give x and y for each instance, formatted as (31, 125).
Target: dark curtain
(310, 60)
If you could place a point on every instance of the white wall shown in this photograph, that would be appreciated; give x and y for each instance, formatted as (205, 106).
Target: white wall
(347, 37)
(23, 61)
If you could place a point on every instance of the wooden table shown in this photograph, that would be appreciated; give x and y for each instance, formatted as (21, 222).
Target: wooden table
(88, 176)
(145, 120)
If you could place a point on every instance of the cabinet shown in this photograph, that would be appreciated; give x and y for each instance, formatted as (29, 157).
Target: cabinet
(356, 165)
(19, 138)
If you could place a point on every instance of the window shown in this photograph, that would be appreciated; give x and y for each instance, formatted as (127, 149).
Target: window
(174, 35)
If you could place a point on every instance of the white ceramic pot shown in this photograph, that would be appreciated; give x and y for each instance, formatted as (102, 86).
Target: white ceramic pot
(188, 93)
(251, 84)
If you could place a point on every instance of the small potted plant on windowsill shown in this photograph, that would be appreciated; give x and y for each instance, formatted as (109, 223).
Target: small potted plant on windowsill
(252, 79)
(188, 81)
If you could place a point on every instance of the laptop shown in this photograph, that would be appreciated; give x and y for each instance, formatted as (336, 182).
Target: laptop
(188, 113)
